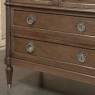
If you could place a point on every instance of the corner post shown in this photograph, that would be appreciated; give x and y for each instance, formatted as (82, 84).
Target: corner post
(9, 69)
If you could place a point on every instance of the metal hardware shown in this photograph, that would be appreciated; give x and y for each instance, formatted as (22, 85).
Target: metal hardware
(81, 26)
(31, 19)
(9, 86)
(30, 47)
(81, 57)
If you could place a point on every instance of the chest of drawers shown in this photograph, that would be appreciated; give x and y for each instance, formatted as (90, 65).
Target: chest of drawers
(51, 36)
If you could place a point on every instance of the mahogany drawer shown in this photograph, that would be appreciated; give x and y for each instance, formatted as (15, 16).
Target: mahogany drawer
(52, 51)
(54, 22)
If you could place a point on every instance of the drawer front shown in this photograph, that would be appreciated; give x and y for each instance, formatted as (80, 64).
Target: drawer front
(79, 4)
(80, 1)
(62, 23)
(51, 51)
(45, 2)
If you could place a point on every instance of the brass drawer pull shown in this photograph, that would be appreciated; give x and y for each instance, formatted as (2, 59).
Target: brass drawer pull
(31, 19)
(30, 47)
(81, 57)
(81, 26)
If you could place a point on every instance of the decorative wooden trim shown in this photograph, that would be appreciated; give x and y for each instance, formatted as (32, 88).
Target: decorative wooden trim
(51, 7)
(55, 71)
(8, 29)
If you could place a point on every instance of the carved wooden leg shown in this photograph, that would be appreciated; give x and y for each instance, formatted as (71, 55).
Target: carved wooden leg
(41, 80)
(9, 72)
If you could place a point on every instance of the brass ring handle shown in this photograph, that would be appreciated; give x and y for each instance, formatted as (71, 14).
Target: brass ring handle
(81, 57)
(81, 26)
(30, 47)
(31, 19)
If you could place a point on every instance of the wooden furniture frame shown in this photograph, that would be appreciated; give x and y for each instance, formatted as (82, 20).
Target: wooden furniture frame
(63, 34)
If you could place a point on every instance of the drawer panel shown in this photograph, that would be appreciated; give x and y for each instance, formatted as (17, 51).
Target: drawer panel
(80, 1)
(45, 2)
(62, 23)
(71, 55)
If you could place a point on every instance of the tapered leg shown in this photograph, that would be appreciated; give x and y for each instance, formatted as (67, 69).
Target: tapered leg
(9, 72)
(41, 80)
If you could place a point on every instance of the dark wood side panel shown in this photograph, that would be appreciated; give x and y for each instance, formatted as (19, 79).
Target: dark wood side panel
(9, 69)
(8, 29)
